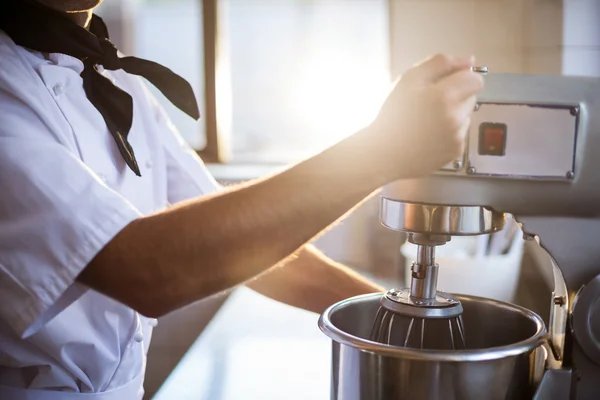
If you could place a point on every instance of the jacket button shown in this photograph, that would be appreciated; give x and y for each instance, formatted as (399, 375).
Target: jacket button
(138, 337)
(58, 89)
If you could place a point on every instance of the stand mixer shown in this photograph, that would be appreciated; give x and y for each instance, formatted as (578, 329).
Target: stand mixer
(530, 153)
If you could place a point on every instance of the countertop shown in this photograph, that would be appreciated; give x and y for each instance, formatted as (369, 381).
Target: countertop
(254, 349)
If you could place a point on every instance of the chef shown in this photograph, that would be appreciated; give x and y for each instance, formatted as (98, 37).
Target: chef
(108, 220)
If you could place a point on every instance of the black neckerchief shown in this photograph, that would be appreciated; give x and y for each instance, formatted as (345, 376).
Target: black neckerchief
(42, 29)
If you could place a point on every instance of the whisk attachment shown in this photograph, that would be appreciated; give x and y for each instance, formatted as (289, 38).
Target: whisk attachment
(400, 321)
(420, 316)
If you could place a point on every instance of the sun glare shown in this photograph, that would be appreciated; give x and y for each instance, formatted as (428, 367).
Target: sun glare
(334, 97)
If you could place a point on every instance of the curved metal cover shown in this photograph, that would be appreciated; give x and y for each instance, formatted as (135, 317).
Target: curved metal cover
(439, 219)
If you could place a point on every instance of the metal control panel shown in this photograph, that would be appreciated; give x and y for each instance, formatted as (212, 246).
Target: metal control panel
(522, 141)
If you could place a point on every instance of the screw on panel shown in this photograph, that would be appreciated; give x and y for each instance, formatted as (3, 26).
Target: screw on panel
(570, 175)
(575, 111)
(559, 300)
(457, 164)
(471, 170)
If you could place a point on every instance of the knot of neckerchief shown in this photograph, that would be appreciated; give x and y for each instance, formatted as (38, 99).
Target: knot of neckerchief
(42, 29)
(110, 59)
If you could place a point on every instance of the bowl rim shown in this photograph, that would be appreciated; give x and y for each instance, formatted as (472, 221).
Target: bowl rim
(490, 353)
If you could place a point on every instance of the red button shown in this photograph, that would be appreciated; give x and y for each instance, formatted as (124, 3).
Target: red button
(493, 139)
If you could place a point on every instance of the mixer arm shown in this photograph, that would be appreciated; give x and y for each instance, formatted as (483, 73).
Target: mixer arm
(556, 384)
(574, 246)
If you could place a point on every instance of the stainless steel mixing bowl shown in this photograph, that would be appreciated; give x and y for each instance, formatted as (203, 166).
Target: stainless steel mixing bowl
(498, 363)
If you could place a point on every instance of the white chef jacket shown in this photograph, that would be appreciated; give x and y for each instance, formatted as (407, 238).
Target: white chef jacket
(65, 192)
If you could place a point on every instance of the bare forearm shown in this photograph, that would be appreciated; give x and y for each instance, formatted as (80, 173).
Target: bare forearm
(311, 282)
(170, 259)
(167, 260)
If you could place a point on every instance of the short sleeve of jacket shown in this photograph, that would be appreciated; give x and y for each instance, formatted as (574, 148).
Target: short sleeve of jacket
(55, 216)
(187, 176)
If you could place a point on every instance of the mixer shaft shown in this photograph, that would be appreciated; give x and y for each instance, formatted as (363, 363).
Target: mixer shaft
(423, 285)
(416, 317)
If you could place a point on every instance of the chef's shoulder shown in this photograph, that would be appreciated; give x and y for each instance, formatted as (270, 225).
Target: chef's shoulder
(21, 100)
(15, 71)
(28, 111)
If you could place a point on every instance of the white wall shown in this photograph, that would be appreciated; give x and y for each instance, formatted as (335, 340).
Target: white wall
(581, 37)
(542, 28)
(514, 36)
(489, 29)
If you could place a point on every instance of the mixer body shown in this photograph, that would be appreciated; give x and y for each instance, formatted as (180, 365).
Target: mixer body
(532, 151)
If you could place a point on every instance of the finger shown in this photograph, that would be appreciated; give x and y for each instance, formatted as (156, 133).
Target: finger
(462, 116)
(463, 132)
(460, 85)
(461, 140)
(467, 108)
(437, 67)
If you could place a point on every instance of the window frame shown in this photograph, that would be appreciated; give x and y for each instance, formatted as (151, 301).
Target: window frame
(211, 153)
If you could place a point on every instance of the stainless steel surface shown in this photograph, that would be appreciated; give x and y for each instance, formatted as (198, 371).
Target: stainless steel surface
(443, 305)
(453, 166)
(423, 285)
(540, 141)
(439, 219)
(425, 255)
(427, 239)
(496, 364)
(563, 213)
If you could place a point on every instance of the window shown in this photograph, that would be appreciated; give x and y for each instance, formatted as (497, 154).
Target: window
(170, 33)
(286, 78)
(304, 73)
(292, 76)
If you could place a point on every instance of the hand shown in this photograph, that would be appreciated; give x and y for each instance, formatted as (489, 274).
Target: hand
(424, 121)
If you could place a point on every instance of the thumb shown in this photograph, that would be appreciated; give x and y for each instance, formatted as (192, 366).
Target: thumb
(436, 68)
